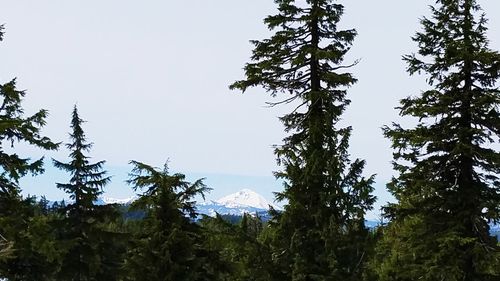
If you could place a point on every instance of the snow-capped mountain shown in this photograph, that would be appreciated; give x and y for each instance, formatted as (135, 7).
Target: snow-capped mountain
(246, 198)
(109, 200)
(242, 202)
(239, 203)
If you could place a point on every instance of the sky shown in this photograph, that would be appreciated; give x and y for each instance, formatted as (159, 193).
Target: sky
(151, 78)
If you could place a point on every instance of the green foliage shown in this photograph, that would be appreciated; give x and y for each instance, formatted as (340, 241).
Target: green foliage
(15, 128)
(321, 234)
(242, 247)
(5, 248)
(20, 226)
(168, 244)
(87, 179)
(34, 254)
(92, 250)
(448, 186)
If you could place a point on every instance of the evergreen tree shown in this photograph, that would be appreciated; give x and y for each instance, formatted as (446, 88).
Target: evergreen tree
(321, 233)
(169, 244)
(35, 254)
(242, 246)
(15, 128)
(20, 258)
(90, 252)
(447, 188)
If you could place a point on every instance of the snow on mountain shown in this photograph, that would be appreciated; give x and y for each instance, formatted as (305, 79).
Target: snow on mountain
(242, 202)
(212, 208)
(109, 200)
(246, 198)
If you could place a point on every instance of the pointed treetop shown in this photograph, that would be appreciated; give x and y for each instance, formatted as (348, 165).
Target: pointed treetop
(87, 179)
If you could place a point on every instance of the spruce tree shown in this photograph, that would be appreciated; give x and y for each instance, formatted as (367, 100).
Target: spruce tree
(321, 233)
(90, 253)
(20, 257)
(447, 185)
(169, 244)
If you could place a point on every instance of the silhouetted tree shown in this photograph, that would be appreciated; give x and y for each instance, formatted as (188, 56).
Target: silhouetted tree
(447, 188)
(92, 250)
(169, 244)
(21, 258)
(321, 233)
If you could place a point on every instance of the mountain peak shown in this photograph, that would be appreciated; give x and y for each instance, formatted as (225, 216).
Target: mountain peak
(108, 200)
(246, 198)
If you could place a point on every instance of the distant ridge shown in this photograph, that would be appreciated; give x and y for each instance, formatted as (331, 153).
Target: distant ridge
(245, 201)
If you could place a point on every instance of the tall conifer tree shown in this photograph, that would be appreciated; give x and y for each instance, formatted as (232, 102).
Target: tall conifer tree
(24, 259)
(321, 233)
(14, 128)
(448, 189)
(83, 234)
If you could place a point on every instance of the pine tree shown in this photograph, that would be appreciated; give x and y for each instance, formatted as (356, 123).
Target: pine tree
(321, 234)
(90, 252)
(169, 245)
(447, 185)
(20, 259)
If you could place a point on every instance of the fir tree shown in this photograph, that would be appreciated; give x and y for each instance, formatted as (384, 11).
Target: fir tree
(447, 186)
(89, 252)
(20, 258)
(321, 234)
(15, 128)
(169, 245)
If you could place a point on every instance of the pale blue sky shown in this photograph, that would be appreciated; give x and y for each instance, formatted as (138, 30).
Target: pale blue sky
(151, 78)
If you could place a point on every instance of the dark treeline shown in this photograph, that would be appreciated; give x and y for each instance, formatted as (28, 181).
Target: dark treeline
(446, 183)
